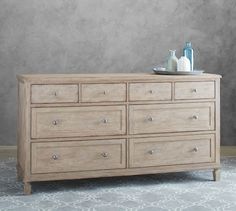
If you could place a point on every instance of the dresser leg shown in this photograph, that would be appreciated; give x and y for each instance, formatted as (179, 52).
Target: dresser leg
(27, 188)
(216, 174)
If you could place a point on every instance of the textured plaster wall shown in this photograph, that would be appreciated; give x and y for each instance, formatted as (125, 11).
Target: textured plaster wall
(85, 36)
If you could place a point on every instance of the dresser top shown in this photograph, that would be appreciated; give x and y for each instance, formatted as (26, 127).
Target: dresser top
(70, 78)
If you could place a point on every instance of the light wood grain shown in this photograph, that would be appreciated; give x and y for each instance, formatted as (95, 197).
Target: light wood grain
(54, 93)
(103, 93)
(149, 91)
(217, 120)
(78, 104)
(78, 156)
(216, 175)
(158, 151)
(113, 77)
(27, 188)
(171, 118)
(126, 136)
(78, 121)
(79, 124)
(123, 172)
(194, 90)
(23, 131)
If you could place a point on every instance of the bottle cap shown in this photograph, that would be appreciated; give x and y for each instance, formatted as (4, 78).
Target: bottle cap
(188, 43)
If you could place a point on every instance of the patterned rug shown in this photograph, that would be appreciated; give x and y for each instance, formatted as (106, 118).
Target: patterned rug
(176, 191)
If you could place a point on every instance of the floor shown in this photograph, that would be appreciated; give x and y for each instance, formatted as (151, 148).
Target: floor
(175, 191)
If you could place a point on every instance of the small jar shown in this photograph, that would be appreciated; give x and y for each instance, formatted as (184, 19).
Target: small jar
(184, 64)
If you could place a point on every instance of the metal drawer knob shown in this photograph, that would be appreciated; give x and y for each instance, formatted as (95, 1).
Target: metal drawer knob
(55, 157)
(104, 154)
(55, 122)
(55, 94)
(194, 90)
(151, 91)
(104, 92)
(150, 119)
(195, 117)
(195, 149)
(105, 121)
(151, 152)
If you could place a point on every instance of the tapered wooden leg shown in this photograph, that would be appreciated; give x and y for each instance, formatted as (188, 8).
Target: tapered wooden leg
(27, 188)
(216, 174)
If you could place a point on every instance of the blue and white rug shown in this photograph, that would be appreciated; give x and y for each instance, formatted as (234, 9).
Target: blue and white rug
(176, 191)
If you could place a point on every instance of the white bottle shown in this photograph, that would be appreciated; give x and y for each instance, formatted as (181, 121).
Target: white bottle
(172, 62)
(183, 64)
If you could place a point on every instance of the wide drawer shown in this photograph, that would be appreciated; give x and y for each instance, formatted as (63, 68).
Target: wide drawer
(54, 93)
(171, 118)
(149, 91)
(78, 156)
(78, 121)
(194, 90)
(103, 92)
(158, 151)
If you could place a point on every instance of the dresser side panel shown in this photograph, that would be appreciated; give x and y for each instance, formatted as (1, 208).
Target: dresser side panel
(217, 120)
(23, 131)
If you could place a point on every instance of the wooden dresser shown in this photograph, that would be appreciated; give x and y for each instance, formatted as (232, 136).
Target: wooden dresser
(74, 126)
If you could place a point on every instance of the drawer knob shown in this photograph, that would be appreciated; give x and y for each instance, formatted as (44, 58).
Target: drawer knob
(151, 91)
(195, 117)
(151, 152)
(105, 121)
(104, 92)
(55, 157)
(194, 90)
(195, 149)
(55, 122)
(150, 119)
(104, 154)
(55, 94)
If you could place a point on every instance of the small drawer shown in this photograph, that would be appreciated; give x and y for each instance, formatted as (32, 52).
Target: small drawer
(103, 93)
(194, 90)
(55, 157)
(171, 118)
(157, 151)
(149, 91)
(58, 122)
(54, 93)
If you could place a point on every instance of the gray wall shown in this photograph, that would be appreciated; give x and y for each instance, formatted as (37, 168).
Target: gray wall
(75, 36)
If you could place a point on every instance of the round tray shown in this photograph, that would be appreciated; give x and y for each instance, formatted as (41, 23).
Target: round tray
(165, 72)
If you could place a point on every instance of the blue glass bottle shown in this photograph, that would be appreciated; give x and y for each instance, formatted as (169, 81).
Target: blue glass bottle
(188, 52)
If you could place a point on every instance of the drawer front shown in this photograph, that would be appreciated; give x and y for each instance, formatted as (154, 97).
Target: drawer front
(171, 118)
(149, 91)
(54, 93)
(78, 156)
(194, 90)
(159, 151)
(78, 121)
(103, 92)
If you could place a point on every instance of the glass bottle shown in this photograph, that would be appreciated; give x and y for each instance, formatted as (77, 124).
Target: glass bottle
(188, 52)
(172, 62)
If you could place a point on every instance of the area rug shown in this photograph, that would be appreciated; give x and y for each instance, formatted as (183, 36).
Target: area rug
(193, 191)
